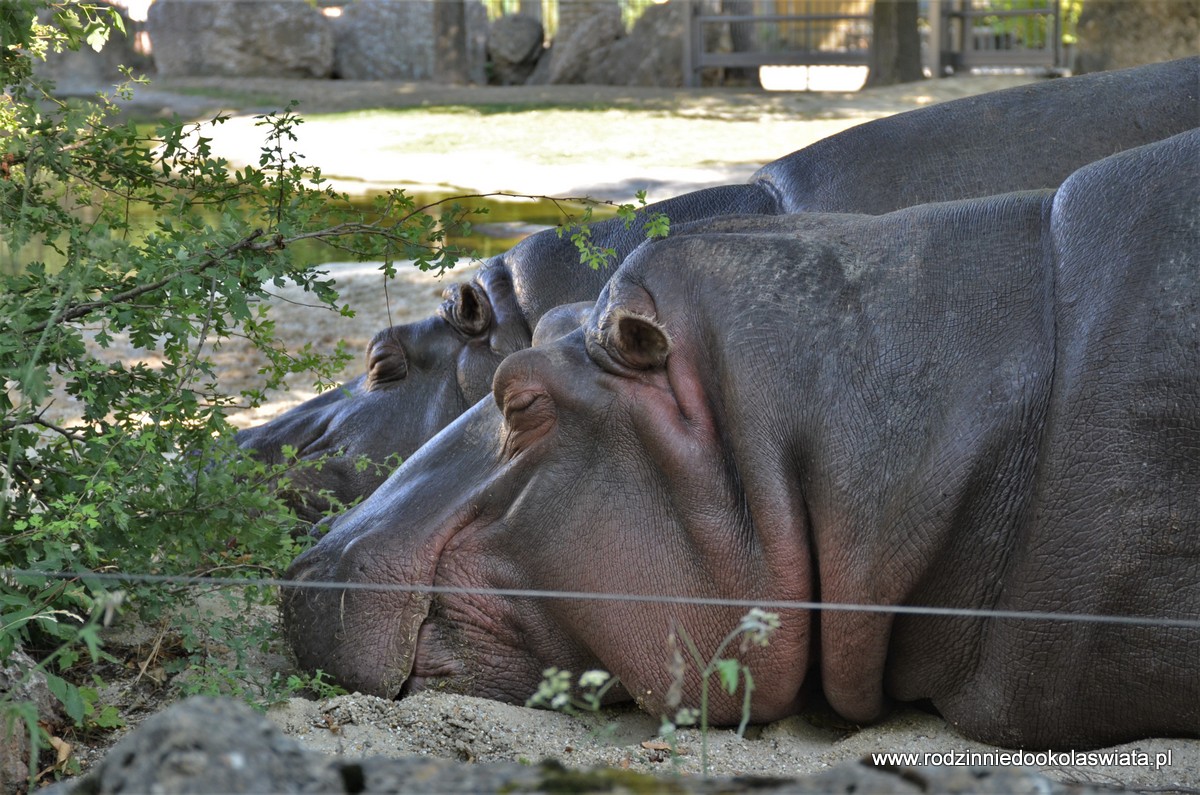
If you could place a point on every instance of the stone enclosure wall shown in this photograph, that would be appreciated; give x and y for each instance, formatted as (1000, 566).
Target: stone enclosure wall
(447, 41)
(438, 40)
(452, 41)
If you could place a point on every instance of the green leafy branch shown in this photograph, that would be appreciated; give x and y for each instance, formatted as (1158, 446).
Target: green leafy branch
(596, 257)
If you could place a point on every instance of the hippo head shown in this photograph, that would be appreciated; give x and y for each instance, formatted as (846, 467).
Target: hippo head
(759, 409)
(419, 377)
(600, 464)
(422, 375)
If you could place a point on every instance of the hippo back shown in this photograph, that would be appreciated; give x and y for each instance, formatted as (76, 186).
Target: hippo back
(1017, 139)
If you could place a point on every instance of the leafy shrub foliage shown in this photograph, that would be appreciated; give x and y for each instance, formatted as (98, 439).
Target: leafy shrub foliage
(147, 480)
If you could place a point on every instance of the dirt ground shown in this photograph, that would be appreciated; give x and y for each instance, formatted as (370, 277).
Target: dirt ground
(597, 141)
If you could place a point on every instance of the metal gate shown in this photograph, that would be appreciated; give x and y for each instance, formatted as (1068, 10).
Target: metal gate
(776, 33)
(959, 35)
(1024, 33)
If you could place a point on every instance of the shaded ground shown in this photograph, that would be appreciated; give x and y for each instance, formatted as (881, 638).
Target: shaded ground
(550, 140)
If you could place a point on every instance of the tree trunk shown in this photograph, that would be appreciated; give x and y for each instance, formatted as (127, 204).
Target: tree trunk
(741, 36)
(895, 44)
(450, 42)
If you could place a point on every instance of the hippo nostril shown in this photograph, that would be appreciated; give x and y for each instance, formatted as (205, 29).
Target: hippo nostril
(386, 362)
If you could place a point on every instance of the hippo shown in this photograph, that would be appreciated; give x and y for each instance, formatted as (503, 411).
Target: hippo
(422, 375)
(991, 404)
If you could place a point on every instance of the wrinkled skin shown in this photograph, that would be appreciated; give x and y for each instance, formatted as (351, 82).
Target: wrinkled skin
(422, 375)
(985, 404)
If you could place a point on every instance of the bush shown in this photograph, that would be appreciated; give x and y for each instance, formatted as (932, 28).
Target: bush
(147, 481)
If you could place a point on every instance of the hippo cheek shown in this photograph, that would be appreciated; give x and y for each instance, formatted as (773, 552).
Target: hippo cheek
(477, 642)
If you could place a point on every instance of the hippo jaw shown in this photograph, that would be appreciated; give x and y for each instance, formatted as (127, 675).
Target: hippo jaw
(326, 629)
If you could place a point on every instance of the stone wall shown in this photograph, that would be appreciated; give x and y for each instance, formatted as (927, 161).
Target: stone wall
(438, 40)
(1116, 34)
(240, 38)
(447, 41)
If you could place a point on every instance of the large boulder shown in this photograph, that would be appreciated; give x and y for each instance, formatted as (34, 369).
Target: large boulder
(384, 40)
(240, 38)
(597, 50)
(438, 40)
(1115, 34)
(572, 53)
(651, 55)
(515, 43)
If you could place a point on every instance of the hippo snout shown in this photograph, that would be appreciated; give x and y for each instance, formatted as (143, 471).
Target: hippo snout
(362, 637)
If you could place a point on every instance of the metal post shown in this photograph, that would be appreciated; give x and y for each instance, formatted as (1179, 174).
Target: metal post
(689, 42)
(933, 58)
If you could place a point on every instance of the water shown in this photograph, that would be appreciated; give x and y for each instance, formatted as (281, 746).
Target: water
(506, 222)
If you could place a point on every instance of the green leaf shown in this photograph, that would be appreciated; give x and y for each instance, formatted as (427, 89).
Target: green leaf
(729, 672)
(69, 696)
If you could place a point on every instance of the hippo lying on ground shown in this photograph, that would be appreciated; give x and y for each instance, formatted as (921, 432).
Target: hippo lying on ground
(988, 404)
(420, 376)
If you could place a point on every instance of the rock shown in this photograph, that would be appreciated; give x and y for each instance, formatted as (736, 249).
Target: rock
(1116, 34)
(384, 40)
(203, 745)
(21, 684)
(651, 55)
(206, 745)
(515, 43)
(515, 39)
(240, 38)
(597, 51)
(570, 56)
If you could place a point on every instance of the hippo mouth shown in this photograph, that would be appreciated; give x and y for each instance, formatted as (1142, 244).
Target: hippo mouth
(430, 666)
(357, 626)
(385, 642)
(344, 632)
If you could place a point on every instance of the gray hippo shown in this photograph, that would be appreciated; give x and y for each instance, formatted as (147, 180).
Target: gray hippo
(990, 404)
(422, 375)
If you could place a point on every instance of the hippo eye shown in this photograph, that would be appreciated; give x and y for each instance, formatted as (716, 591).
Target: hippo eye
(467, 309)
(528, 416)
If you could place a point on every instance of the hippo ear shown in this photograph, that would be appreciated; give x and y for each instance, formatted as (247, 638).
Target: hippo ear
(639, 341)
(467, 309)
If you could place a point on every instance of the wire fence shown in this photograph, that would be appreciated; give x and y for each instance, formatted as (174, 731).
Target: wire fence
(843, 607)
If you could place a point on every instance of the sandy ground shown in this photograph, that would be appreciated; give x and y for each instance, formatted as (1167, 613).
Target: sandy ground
(477, 730)
(511, 139)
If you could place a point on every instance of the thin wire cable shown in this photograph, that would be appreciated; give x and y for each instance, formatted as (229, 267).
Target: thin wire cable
(954, 612)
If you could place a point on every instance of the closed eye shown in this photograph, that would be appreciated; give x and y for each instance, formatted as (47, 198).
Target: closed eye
(528, 416)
